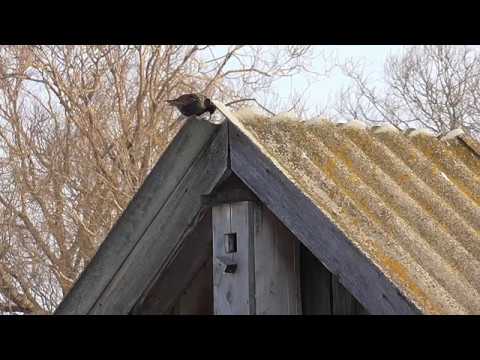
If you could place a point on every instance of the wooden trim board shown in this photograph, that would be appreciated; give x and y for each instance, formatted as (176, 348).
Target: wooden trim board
(194, 162)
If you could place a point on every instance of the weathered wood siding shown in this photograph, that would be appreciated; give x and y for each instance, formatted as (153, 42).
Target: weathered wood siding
(197, 298)
(277, 266)
(266, 279)
(193, 257)
(322, 293)
(233, 293)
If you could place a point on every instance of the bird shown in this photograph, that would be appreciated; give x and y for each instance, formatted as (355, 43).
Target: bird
(193, 104)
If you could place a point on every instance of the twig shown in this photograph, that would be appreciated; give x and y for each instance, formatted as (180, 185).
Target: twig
(250, 99)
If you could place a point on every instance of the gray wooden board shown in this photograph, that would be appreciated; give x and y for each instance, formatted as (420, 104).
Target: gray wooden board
(192, 256)
(233, 293)
(164, 235)
(230, 190)
(139, 214)
(277, 273)
(343, 303)
(316, 285)
(197, 298)
(359, 275)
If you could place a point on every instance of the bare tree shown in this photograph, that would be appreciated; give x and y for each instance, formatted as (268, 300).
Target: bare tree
(80, 128)
(436, 87)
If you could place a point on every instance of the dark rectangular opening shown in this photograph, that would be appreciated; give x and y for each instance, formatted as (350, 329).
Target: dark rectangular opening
(230, 243)
(322, 293)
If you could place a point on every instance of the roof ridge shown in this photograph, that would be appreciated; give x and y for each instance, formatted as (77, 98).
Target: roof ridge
(470, 142)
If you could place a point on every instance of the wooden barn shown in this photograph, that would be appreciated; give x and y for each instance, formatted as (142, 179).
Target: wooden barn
(262, 215)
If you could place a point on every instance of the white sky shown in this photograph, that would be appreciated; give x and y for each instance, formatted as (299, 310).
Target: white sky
(324, 89)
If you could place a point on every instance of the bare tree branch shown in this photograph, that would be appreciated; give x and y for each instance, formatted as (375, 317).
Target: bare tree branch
(81, 127)
(250, 99)
(436, 87)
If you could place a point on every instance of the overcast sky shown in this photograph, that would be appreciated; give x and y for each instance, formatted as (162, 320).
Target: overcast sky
(320, 91)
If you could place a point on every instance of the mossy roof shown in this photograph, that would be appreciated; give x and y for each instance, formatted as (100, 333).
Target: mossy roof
(409, 201)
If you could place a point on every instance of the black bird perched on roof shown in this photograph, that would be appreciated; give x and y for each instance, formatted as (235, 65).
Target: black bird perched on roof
(193, 104)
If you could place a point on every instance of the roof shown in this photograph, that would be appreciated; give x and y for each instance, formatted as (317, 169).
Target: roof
(408, 201)
(395, 216)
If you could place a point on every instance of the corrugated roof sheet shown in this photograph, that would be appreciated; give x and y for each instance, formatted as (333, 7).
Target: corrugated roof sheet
(409, 201)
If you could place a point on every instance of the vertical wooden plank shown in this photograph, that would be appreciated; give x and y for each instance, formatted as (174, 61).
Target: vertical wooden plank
(232, 292)
(343, 303)
(242, 217)
(220, 226)
(277, 273)
(267, 277)
(289, 247)
(322, 293)
(315, 284)
(266, 286)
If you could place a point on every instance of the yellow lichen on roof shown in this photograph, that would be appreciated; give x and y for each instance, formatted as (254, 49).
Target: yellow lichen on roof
(410, 203)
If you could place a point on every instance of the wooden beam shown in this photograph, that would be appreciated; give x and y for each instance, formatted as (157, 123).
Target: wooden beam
(170, 226)
(307, 222)
(230, 191)
(152, 196)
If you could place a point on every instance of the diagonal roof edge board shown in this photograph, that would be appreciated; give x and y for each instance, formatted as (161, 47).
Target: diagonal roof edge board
(197, 142)
(171, 225)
